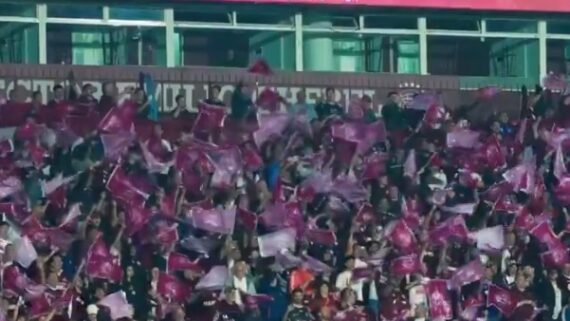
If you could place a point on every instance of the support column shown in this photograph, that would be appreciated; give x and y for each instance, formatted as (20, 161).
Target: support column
(318, 48)
(542, 54)
(422, 29)
(170, 47)
(42, 32)
(298, 42)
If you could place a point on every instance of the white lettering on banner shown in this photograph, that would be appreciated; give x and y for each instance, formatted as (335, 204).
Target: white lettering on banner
(189, 93)
(167, 92)
(44, 86)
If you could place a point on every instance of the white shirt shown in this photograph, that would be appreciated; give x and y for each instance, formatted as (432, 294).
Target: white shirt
(344, 280)
(557, 301)
(241, 286)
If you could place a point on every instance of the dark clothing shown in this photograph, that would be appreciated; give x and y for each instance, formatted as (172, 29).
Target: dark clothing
(240, 105)
(214, 101)
(299, 314)
(394, 117)
(327, 109)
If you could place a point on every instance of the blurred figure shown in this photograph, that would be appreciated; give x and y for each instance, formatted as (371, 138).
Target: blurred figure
(329, 106)
(214, 96)
(297, 310)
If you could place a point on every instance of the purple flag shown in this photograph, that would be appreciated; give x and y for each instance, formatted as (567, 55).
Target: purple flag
(270, 125)
(559, 169)
(215, 220)
(118, 305)
(463, 138)
(312, 264)
(276, 242)
(214, 280)
(471, 272)
(490, 238)
(554, 82)
(424, 100)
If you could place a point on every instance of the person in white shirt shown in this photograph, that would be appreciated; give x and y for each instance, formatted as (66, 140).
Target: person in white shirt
(344, 279)
(240, 281)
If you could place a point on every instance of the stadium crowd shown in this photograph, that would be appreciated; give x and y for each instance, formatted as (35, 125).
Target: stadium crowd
(270, 211)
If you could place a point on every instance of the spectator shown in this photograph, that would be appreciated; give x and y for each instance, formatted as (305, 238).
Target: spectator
(58, 96)
(297, 311)
(301, 106)
(328, 107)
(214, 96)
(181, 109)
(109, 98)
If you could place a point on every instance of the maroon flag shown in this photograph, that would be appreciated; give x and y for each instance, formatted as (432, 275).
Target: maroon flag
(102, 264)
(166, 233)
(210, 118)
(178, 262)
(400, 235)
(493, 154)
(374, 166)
(172, 288)
(118, 119)
(406, 265)
(344, 150)
(260, 67)
(471, 272)
(453, 227)
(251, 159)
(435, 115)
(556, 257)
(411, 210)
(365, 214)
(504, 300)
(39, 306)
(524, 220)
(269, 100)
(365, 135)
(137, 218)
(247, 218)
(124, 188)
(14, 281)
(254, 300)
(321, 236)
(545, 235)
(520, 177)
(439, 300)
(367, 273)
